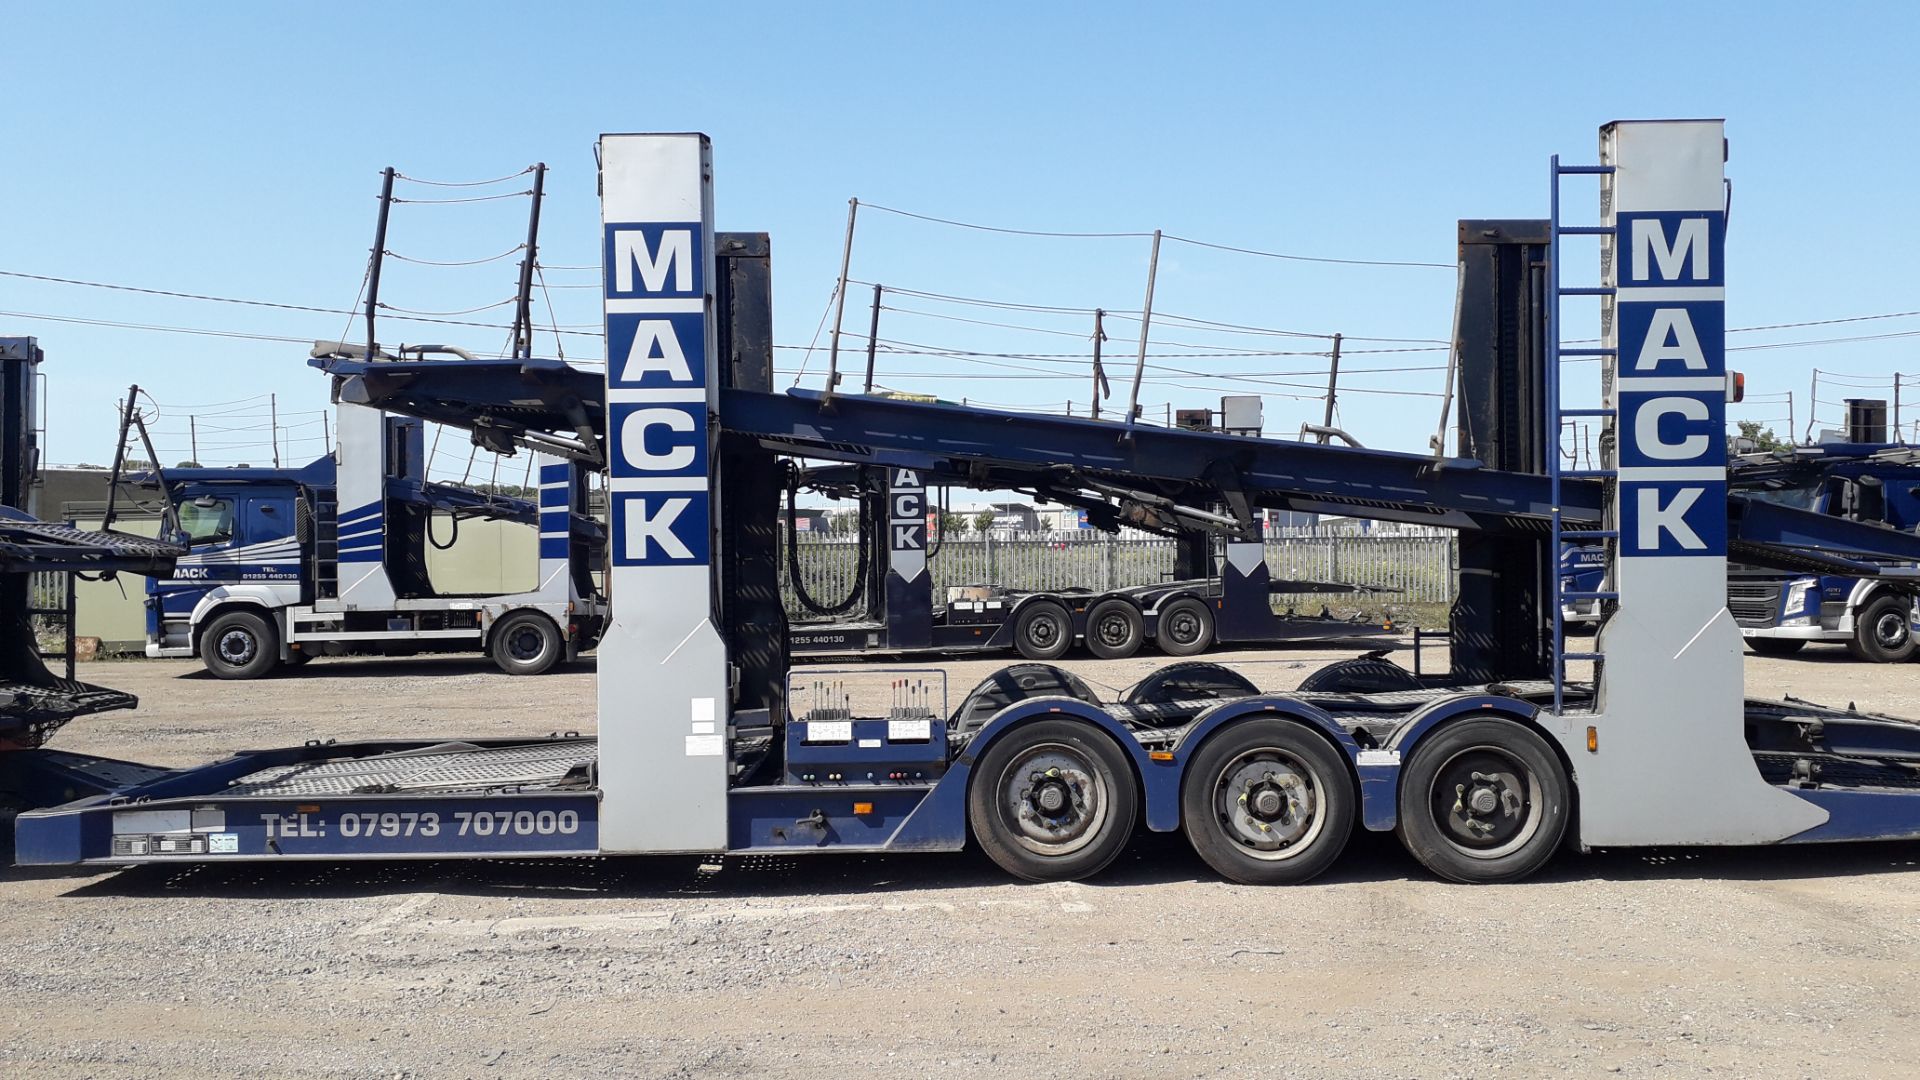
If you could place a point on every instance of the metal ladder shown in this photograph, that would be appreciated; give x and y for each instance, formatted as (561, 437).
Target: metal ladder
(1556, 417)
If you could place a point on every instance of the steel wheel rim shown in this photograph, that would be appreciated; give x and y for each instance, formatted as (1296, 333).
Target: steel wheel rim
(1114, 630)
(236, 646)
(1459, 797)
(1184, 627)
(1890, 629)
(1028, 786)
(526, 644)
(1269, 804)
(1044, 629)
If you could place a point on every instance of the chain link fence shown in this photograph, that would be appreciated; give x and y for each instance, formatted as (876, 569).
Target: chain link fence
(1420, 567)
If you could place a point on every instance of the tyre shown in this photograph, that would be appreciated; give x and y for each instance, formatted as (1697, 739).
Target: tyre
(1773, 646)
(1483, 800)
(1186, 628)
(1115, 629)
(1052, 800)
(526, 643)
(1361, 675)
(1881, 631)
(1268, 802)
(1043, 630)
(240, 645)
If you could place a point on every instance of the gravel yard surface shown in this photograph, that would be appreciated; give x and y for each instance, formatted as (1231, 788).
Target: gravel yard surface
(1758, 962)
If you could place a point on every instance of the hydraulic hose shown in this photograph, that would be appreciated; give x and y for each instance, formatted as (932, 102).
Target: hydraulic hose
(793, 557)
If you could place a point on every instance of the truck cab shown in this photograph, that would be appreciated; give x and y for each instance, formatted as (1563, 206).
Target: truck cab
(243, 532)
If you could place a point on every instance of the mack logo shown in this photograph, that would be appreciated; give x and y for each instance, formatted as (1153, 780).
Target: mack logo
(659, 528)
(655, 260)
(189, 573)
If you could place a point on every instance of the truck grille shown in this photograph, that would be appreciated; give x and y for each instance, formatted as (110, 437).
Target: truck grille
(1754, 603)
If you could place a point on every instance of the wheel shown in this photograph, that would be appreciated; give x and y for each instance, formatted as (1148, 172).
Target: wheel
(1052, 800)
(1773, 646)
(1115, 629)
(1881, 632)
(526, 643)
(1483, 801)
(1043, 630)
(1186, 628)
(1267, 802)
(240, 645)
(1361, 675)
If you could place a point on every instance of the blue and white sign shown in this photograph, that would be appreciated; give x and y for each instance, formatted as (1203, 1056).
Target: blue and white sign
(657, 429)
(1670, 382)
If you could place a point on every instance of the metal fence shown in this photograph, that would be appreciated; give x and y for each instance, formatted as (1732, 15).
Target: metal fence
(1421, 567)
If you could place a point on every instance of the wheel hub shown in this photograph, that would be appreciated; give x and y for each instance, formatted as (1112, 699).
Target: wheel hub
(236, 646)
(1114, 630)
(1268, 803)
(1185, 628)
(1486, 802)
(1053, 800)
(524, 645)
(1891, 629)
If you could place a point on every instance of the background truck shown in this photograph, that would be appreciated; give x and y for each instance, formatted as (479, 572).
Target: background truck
(287, 564)
(1220, 591)
(1865, 479)
(1859, 476)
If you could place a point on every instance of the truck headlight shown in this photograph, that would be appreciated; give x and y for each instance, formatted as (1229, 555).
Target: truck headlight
(1801, 603)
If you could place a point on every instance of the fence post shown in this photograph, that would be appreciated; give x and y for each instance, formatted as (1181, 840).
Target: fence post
(1110, 553)
(992, 578)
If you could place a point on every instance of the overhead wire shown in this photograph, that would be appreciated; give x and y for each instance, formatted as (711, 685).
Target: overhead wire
(461, 183)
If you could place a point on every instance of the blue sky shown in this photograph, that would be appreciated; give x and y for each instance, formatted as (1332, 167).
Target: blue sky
(234, 152)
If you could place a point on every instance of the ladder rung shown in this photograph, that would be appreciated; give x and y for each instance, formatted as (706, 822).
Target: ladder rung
(1587, 290)
(1586, 412)
(1589, 534)
(1580, 656)
(1586, 474)
(1589, 596)
(1584, 230)
(1586, 350)
(1586, 170)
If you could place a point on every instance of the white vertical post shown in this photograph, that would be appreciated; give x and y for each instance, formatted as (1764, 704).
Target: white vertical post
(663, 664)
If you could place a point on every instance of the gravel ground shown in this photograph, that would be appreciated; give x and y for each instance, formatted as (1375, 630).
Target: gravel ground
(1763, 962)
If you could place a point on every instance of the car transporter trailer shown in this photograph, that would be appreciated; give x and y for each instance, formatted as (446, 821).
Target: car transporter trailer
(702, 746)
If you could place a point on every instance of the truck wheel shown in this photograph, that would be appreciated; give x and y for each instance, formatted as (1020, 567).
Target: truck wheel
(1043, 630)
(1483, 801)
(1052, 800)
(1267, 802)
(526, 643)
(1881, 632)
(1186, 628)
(240, 645)
(1773, 646)
(1115, 629)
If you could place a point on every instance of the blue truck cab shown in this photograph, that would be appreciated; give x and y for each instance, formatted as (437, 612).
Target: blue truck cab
(242, 529)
